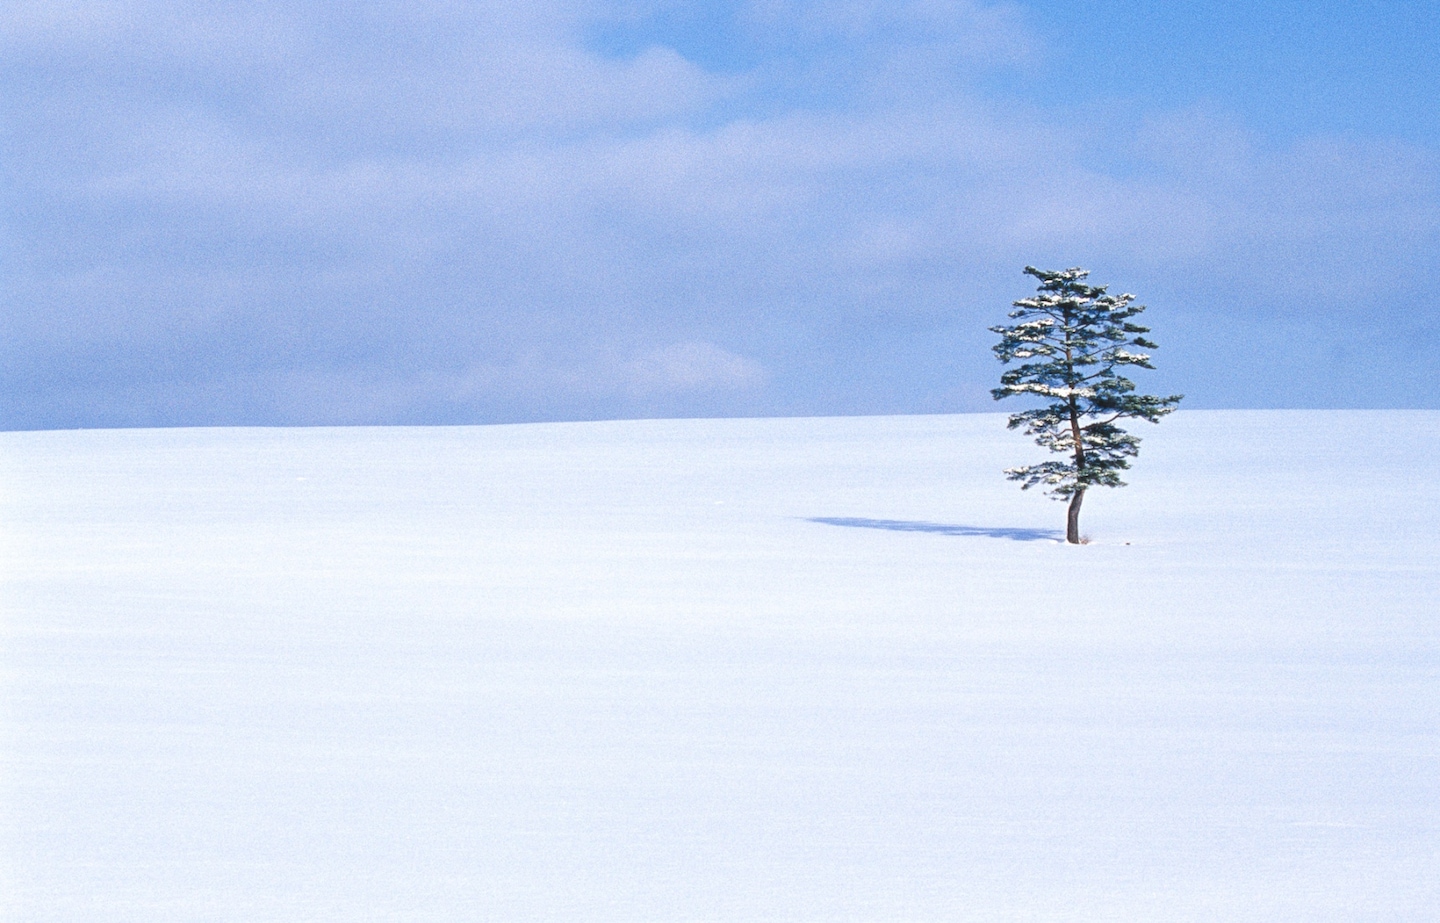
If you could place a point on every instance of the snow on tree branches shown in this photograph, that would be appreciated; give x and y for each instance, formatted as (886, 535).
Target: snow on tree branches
(1070, 339)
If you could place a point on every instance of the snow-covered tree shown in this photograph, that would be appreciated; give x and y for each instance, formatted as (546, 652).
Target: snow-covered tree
(1070, 338)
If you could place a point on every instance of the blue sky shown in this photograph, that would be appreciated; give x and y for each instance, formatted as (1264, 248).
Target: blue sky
(447, 212)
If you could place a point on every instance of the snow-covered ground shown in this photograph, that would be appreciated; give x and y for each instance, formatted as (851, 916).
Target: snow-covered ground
(821, 669)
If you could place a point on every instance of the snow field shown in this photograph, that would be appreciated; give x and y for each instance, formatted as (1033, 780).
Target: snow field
(814, 669)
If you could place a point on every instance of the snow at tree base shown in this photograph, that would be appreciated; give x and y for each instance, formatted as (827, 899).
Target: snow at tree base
(813, 669)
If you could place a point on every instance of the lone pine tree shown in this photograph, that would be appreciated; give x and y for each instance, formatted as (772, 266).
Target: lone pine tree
(1070, 339)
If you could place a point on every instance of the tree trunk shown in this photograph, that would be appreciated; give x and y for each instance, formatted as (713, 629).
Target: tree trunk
(1072, 517)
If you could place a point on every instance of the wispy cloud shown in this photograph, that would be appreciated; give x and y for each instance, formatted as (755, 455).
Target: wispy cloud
(459, 211)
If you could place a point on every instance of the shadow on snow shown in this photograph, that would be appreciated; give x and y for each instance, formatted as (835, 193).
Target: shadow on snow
(905, 525)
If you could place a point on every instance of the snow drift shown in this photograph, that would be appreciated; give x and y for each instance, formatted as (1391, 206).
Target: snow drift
(818, 669)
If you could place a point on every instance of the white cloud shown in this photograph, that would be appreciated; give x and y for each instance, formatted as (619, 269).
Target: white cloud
(991, 33)
(690, 367)
(456, 205)
(46, 22)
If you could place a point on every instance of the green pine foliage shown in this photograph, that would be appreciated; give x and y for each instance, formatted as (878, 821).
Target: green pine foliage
(1072, 341)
